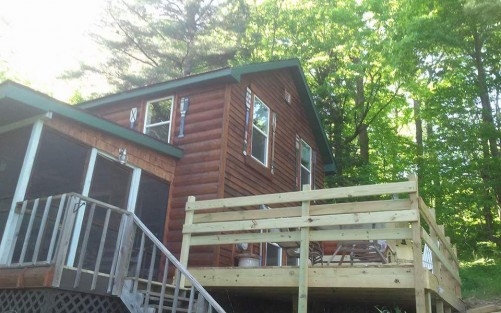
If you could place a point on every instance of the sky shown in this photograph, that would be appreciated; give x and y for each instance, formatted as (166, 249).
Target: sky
(40, 40)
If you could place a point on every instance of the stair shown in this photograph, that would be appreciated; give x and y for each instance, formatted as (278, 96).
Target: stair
(136, 301)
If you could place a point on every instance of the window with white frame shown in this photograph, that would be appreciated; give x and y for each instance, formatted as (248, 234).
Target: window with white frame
(158, 118)
(260, 131)
(303, 151)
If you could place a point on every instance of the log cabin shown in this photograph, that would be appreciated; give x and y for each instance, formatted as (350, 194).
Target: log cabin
(99, 201)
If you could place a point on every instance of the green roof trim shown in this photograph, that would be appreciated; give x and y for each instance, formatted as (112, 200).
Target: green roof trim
(233, 75)
(22, 94)
(225, 74)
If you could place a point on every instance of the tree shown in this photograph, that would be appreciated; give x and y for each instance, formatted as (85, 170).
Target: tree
(402, 86)
(342, 47)
(452, 47)
(148, 41)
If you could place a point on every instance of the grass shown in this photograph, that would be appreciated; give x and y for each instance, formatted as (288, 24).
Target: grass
(481, 279)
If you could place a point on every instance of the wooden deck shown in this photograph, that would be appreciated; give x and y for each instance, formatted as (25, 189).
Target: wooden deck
(331, 216)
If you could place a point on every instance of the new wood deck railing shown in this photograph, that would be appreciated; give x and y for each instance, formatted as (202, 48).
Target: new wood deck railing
(329, 215)
(98, 248)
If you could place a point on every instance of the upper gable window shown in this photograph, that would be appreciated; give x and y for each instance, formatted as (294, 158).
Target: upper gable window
(305, 161)
(158, 118)
(260, 131)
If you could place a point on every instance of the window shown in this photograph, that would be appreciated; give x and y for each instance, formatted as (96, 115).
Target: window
(260, 131)
(304, 155)
(273, 255)
(158, 118)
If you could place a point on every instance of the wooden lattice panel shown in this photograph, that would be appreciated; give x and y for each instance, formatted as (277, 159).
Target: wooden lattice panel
(56, 301)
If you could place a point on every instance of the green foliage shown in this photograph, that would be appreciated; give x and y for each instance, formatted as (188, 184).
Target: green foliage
(481, 279)
(369, 64)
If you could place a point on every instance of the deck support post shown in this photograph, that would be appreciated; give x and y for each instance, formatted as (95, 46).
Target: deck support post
(303, 258)
(185, 246)
(419, 272)
(439, 306)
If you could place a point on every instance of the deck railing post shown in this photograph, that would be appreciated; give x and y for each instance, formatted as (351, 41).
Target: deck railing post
(302, 306)
(419, 273)
(127, 240)
(65, 239)
(185, 246)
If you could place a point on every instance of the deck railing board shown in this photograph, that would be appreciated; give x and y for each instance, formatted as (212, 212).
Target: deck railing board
(295, 236)
(295, 211)
(241, 219)
(430, 220)
(300, 196)
(439, 255)
(304, 221)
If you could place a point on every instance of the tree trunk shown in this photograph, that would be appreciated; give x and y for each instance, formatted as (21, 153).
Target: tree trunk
(490, 142)
(363, 136)
(419, 138)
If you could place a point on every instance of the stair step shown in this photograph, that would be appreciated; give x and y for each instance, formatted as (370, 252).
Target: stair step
(168, 308)
(156, 295)
(155, 285)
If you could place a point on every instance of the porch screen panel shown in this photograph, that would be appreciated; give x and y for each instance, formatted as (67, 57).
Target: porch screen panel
(151, 208)
(110, 184)
(13, 146)
(58, 168)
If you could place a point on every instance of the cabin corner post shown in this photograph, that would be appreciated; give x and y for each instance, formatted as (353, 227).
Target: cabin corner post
(185, 246)
(302, 306)
(7, 240)
(419, 273)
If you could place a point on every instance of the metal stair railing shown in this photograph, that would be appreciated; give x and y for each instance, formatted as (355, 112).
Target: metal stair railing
(103, 249)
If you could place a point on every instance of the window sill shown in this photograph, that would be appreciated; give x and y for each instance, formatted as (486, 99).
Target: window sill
(258, 167)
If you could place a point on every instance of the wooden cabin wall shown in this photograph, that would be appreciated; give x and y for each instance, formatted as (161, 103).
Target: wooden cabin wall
(213, 165)
(291, 121)
(245, 176)
(120, 112)
(199, 171)
(151, 161)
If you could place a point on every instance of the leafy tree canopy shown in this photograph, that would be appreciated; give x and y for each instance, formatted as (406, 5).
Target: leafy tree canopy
(148, 41)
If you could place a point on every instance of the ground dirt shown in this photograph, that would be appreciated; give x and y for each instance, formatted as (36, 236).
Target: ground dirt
(476, 303)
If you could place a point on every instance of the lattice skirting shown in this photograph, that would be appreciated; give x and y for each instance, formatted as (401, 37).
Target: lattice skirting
(56, 301)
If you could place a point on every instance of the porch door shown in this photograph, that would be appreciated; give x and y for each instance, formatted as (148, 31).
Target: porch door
(125, 187)
(110, 182)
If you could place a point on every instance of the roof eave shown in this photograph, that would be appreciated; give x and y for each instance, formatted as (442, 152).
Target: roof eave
(35, 99)
(223, 75)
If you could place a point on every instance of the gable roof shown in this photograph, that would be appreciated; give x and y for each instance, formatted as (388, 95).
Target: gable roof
(19, 102)
(234, 75)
